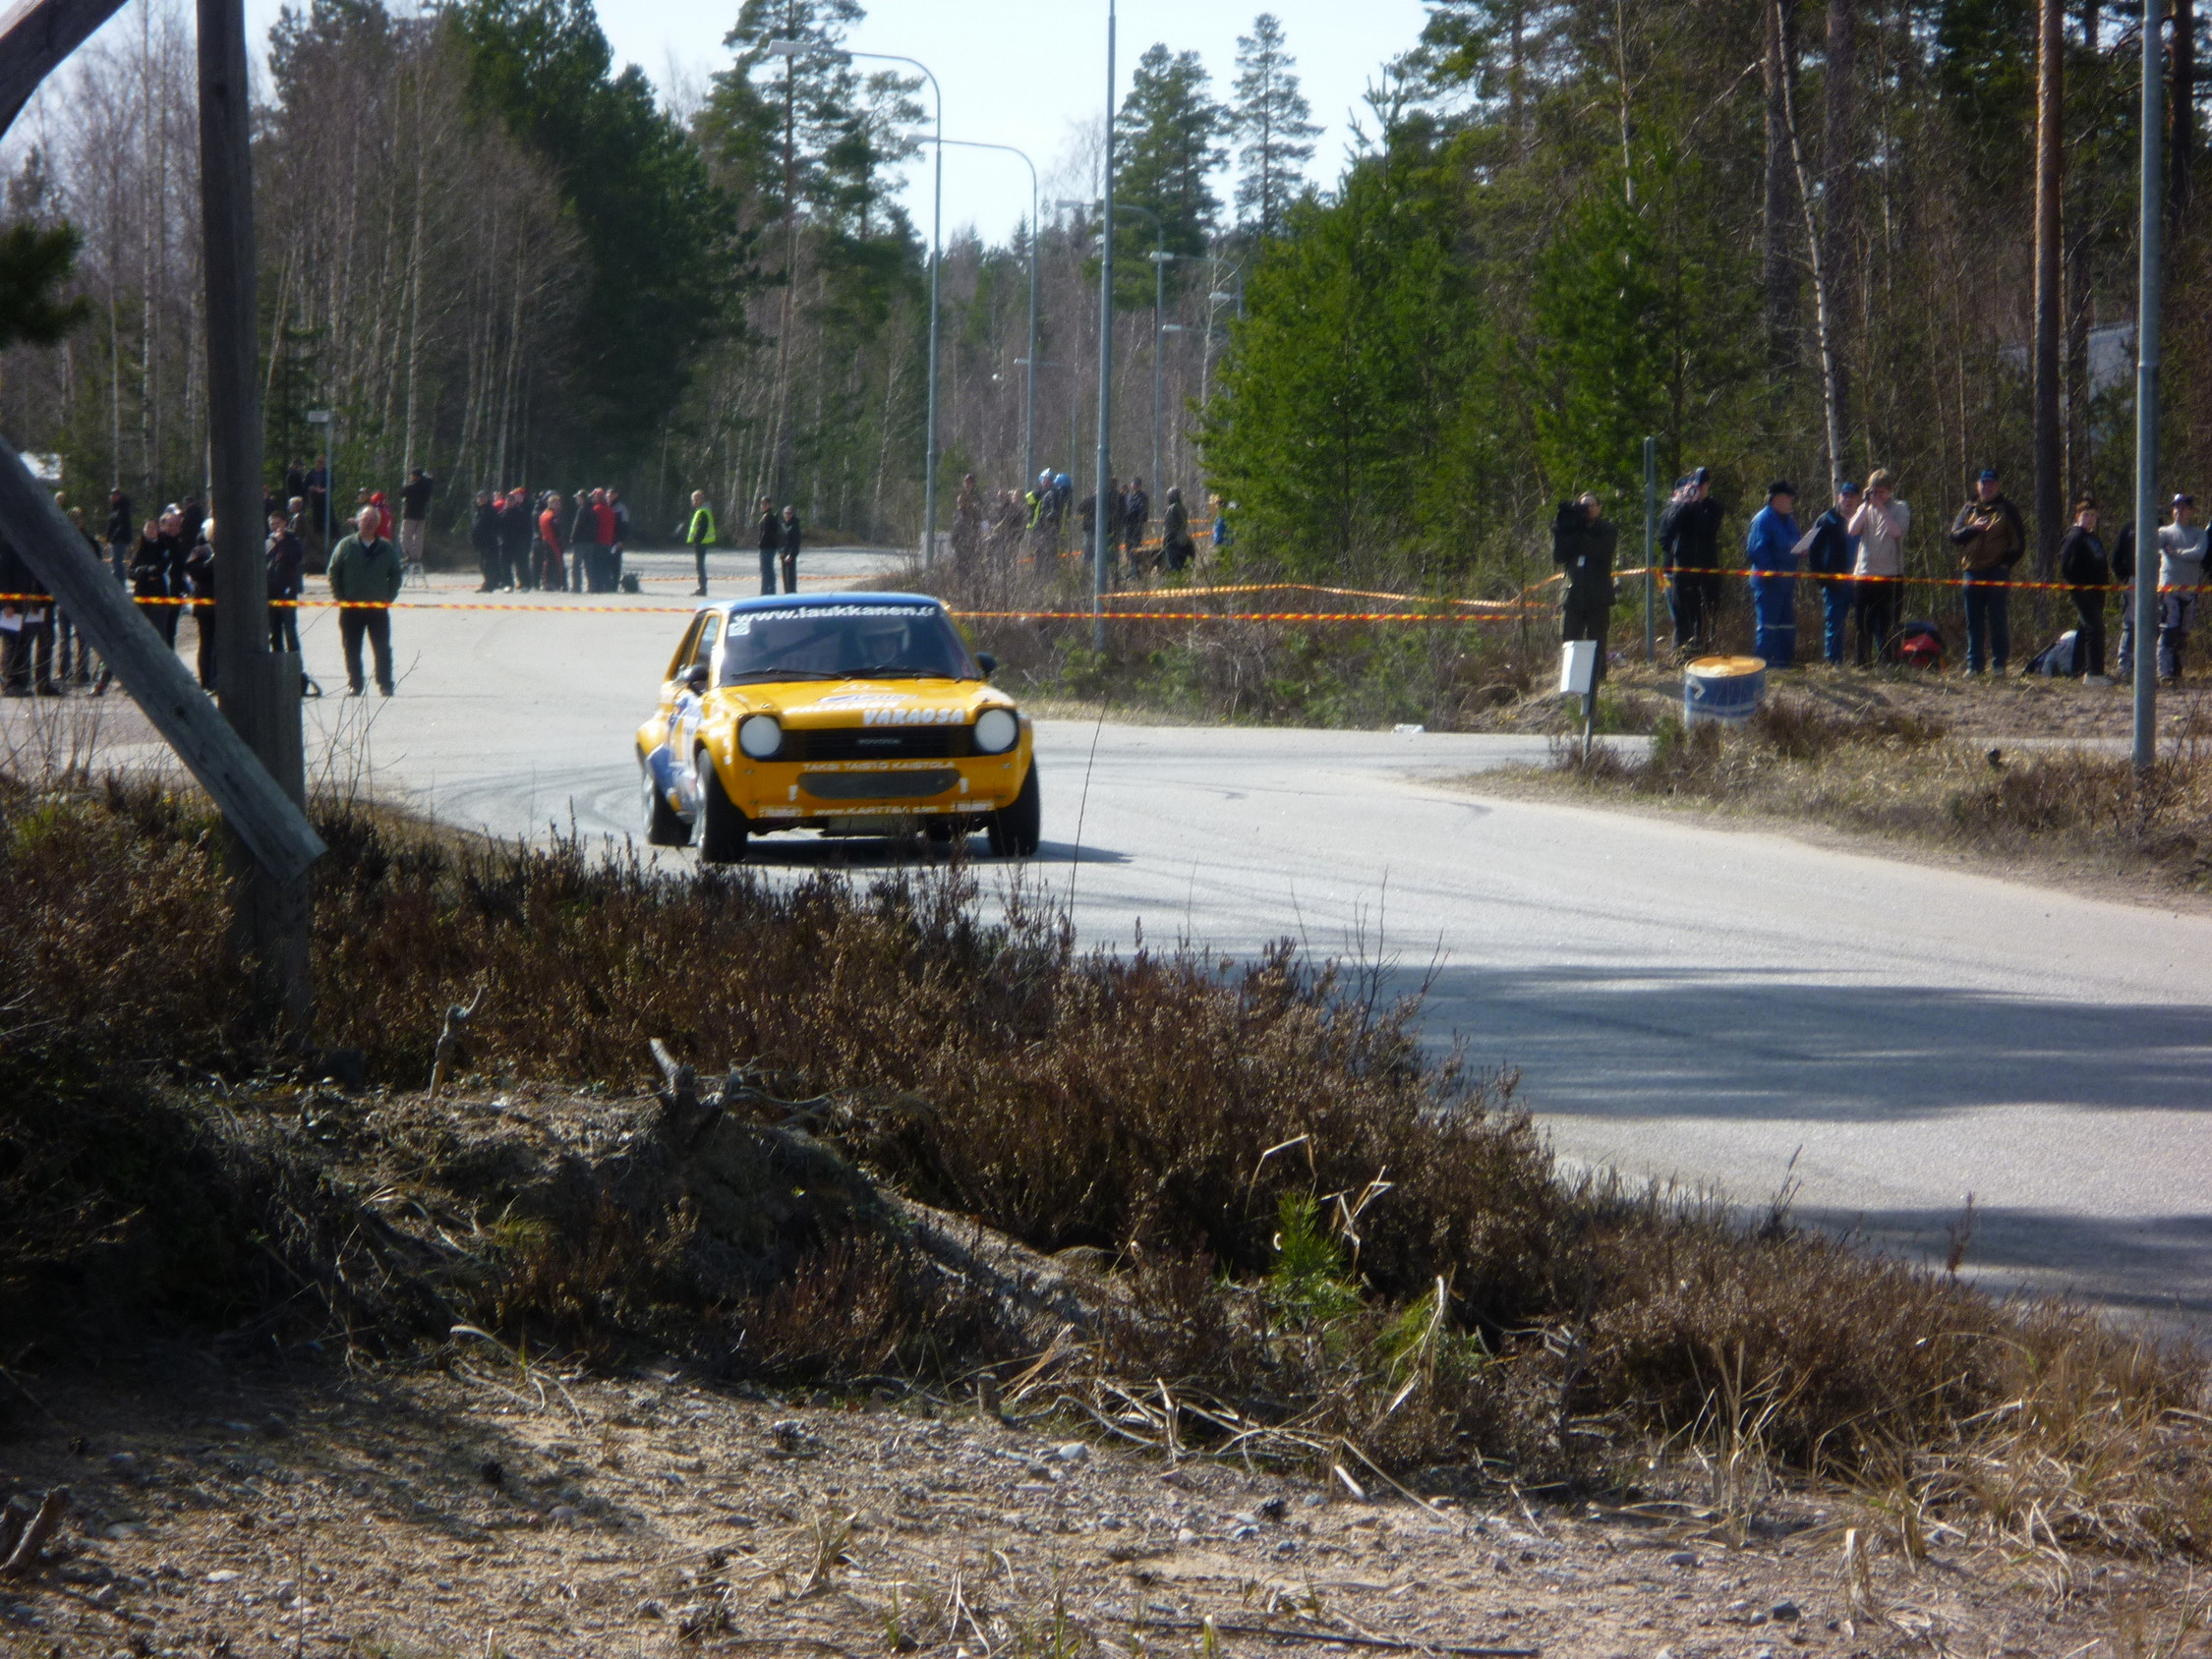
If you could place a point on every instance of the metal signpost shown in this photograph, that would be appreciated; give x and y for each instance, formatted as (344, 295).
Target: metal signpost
(2145, 597)
(1650, 545)
(1106, 358)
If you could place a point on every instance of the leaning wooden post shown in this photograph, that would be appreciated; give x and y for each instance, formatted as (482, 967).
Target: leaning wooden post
(258, 689)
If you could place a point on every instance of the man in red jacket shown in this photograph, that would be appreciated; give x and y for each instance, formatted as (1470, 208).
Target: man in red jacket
(604, 535)
(551, 572)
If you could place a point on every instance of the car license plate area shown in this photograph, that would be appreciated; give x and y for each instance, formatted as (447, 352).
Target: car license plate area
(873, 824)
(910, 785)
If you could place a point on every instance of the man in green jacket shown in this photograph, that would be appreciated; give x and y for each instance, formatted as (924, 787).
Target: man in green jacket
(699, 536)
(365, 577)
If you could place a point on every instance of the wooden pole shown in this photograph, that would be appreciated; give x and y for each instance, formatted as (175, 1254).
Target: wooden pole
(258, 689)
(266, 817)
(2050, 164)
(36, 39)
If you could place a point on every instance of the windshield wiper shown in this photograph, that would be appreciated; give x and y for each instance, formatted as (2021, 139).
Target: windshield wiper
(745, 675)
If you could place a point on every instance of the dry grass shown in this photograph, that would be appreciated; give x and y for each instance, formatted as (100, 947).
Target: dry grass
(1327, 1247)
(1895, 773)
(1450, 676)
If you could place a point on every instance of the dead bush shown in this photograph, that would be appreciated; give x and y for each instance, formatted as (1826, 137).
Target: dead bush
(1325, 1233)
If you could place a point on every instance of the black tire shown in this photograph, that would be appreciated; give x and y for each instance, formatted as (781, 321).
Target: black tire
(1015, 830)
(722, 826)
(664, 827)
(942, 830)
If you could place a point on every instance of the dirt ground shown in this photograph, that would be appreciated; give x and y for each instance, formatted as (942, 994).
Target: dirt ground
(487, 1509)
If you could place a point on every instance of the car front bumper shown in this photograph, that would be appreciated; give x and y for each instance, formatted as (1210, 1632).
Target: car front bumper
(802, 793)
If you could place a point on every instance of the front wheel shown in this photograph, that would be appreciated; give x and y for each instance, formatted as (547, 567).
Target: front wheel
(664, 826)
(1014, 829)
(722, 826)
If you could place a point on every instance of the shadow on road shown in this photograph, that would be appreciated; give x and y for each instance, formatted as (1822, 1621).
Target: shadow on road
(1683, 1043)
(2052, 1251)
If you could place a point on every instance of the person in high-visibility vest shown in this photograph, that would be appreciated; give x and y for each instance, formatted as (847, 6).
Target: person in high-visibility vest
(699, 536)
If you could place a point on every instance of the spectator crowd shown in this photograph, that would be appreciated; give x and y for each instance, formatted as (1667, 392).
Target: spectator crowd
(1851, 556)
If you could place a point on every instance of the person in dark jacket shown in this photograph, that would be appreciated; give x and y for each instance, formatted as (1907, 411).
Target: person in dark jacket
(483, 537)
(414, 517)
(1990, 539)
(1581, 546)
(72, 648)
(286, 555)
(27, 639)
(1689, 533)
(518, 530)
(2083, 569)
(769, 536)
(1137, 515)
(1174, 531)
(158, 576)
(790, 550)
(1829, 561)
(583, 536)
(200, 581)
(121, 533)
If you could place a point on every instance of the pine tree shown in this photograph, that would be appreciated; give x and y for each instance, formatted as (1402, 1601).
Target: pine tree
(1271, 117)
(1168, 142)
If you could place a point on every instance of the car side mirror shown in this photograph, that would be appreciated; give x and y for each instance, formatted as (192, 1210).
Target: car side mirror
(987, 663)
(697, 675)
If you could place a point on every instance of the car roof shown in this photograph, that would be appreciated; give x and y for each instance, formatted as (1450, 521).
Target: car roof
(816, 602)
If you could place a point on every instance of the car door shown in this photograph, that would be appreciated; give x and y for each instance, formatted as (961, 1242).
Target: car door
(672, 686)
(688, 706)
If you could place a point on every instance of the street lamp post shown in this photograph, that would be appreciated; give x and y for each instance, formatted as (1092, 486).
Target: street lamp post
(1159, 257)
(1029, 412)
(838, 54)
(1106, 356)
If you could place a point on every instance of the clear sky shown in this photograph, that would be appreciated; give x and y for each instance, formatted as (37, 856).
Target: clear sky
(1031, 72)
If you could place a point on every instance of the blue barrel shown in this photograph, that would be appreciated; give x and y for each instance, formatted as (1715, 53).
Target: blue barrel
(1723, 688)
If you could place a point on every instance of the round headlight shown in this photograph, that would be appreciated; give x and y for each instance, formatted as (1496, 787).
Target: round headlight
(760, 736)
(996, 730)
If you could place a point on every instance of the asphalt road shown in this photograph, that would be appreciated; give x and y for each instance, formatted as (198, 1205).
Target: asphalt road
(1690, 1004)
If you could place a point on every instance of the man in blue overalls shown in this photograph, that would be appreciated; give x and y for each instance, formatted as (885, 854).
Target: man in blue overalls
(1770, 549)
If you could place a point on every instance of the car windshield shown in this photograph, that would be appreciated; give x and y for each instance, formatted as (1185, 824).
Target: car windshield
(841, 642)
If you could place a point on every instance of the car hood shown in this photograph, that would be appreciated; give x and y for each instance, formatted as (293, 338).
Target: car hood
(815, 704)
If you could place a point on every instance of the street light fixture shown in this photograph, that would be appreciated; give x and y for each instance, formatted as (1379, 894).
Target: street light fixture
(1029, 413)
(793, 49)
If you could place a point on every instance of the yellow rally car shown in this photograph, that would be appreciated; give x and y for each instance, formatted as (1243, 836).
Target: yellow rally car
(852, 714)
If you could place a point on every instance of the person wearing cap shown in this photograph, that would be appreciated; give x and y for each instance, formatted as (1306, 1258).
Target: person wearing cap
(2181, 577)
(1832, 554)
(1689, 533)
(1880, 524)
(1990, 540)
(1771, 549)
(1581, 546)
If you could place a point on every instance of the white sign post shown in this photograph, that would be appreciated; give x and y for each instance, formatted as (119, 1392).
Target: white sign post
(1578, 676)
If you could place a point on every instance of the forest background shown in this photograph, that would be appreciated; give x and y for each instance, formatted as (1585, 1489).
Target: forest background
(1562, 226)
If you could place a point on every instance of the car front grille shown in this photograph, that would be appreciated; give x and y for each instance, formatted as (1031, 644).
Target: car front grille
(878, 785)
(877, 743)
